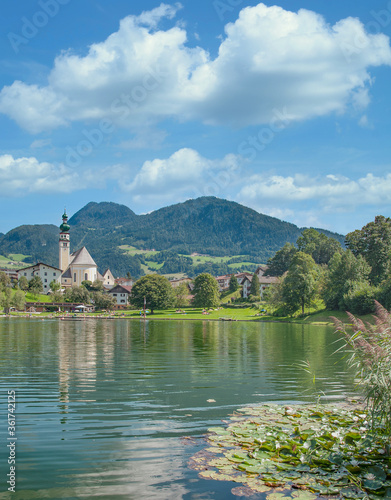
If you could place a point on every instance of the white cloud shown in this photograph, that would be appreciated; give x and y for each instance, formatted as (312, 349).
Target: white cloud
(19, 176)
(269, 59)
(331, 193)
(183, 175)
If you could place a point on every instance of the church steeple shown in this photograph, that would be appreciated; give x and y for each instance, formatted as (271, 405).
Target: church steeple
(64, 244)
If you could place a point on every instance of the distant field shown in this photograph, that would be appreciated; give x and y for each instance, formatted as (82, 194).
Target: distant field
(13, 261)
(136, 251)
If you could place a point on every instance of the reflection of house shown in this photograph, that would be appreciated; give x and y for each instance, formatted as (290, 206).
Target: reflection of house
(44, 271)
(78, 266)
(121, 294)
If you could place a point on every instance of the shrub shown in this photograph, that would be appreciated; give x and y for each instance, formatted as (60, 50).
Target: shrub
(369, 348)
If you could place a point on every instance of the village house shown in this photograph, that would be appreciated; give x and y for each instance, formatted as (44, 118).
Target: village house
(107, 279)
(44, 271)
(121, 294)
(123, 281)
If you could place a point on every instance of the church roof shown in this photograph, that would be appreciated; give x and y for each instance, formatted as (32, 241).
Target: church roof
(67, 273)
(83, 258)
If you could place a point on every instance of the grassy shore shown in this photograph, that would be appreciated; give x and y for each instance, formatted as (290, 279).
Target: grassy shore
(220, 314)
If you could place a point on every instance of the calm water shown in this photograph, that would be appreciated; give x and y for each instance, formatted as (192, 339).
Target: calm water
(103, 406)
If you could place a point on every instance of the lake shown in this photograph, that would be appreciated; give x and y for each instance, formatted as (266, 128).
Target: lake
(114, 409)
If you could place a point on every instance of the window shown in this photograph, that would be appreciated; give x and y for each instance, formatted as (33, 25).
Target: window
(74, 277)
(46, 281)
(54, 274)
(25, 274)
(86, 276)
(46, 273)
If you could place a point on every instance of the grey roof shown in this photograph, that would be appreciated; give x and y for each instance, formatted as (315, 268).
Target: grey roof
(82, 257)
(67, 273)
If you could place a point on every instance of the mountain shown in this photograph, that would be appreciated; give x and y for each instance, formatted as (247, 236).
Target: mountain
(105, 215)
(204, 225)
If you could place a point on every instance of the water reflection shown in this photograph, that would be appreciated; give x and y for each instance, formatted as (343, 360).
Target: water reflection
(103, 405)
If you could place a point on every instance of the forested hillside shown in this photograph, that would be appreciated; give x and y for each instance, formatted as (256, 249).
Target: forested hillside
(206, 225)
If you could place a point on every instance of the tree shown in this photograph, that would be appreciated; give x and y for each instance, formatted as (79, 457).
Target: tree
(87, 284)
(4, 281)
(300, 284)
(318, 245)
(345, 272)
(54, 286)
(157, 291)
(206, 291)
(373, 242)
(181, 293)
(255, 288)
(18, 300)
(23, 283)
(103, 301)
(36, 286)
(77, 294)
(233, 284)
(6, 299)
(280, 262)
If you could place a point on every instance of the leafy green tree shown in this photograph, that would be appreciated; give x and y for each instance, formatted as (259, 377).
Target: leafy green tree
(318, 245)
(6, 299)
(300, 283)
(103, 301)
(233, 284)
(57, 297)
(157, 291)
(361, 298)
(55, 286)
(373, 242)
(87, 284)
(181, 295)
(345, 272)
(18, 300)
(35, 286)
(23, 283)
(206, 291)
(77, 294)
(97, 286)
(280, 262)
(4, 280)
(255, 287)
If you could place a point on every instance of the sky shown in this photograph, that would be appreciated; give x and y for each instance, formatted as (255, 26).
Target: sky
(283, 107)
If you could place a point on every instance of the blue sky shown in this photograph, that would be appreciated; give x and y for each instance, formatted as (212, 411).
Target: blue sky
(283, 107)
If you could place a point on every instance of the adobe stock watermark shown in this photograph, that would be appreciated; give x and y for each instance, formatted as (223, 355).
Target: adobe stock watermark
(380, 19)
(222, 7)
(122, 107)
(30, 27)
(249, 149)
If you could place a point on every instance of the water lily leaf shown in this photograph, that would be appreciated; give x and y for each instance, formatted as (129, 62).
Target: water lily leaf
(303, 495)
(352, 493)
(351, 437)
(372, 485)
(275, 496)
(219, 430)
(378, 472)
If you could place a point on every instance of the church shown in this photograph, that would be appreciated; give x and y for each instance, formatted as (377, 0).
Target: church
(78, 266)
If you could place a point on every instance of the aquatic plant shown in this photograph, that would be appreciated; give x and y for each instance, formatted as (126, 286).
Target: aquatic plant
(298, 452)
(368, 348)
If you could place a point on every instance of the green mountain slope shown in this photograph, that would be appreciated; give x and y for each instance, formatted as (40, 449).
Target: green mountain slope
(205, 225)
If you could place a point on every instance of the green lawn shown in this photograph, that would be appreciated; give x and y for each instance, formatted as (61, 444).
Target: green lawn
(40, 298)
